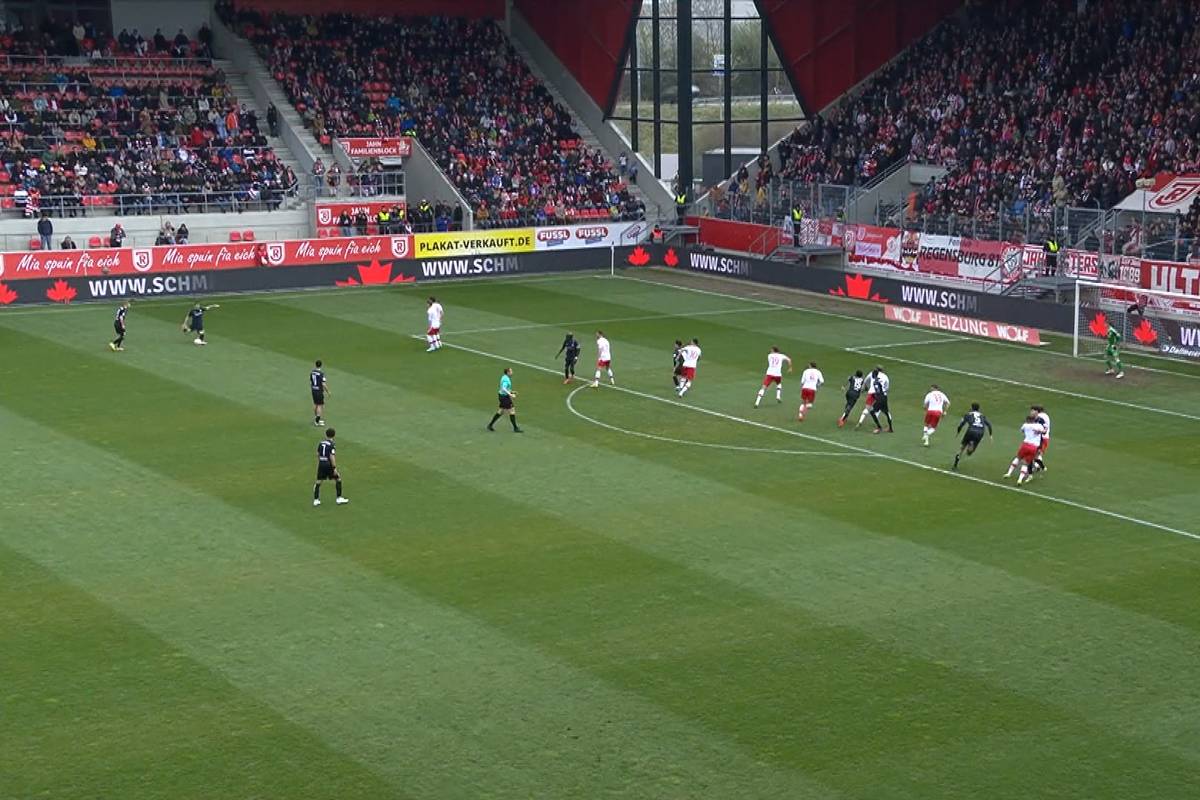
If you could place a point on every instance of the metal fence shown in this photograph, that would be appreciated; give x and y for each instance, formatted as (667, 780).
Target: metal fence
(1093, 229)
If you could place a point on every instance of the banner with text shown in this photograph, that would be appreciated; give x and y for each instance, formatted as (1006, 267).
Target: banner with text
(473, 243)
(377, 146)
(607, 234)
(328, 214)
(966, 325)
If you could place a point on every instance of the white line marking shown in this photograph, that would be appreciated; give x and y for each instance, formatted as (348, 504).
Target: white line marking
(854, 448)
(911, 344)
(1069, 393)
(669, 440)
(578, 322)
(865, 351)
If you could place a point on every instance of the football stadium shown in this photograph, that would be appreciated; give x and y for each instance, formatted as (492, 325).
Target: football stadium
(600, 399)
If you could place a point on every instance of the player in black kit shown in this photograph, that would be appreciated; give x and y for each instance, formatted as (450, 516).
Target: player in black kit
(327, 469)
(320, 388)
(854, 387)
(194, 322)
(571, 347)
(975, 423)
(119, 326)
(677, 361)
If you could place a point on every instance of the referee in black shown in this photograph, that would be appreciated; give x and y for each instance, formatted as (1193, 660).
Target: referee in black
(119, 326)
(571, 347)
(975, 423)
(320, 388)
(327, 469)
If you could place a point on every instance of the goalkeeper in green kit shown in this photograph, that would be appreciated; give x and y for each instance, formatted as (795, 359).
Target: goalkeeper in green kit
(1112, 353)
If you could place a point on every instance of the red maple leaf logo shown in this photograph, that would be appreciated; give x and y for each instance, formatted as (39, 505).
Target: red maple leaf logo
(375, 274)
(639, 257)
(670, 259)
(7, 295)
(1099, 325)
(1144, 333)
(858, 287)
(61, 292)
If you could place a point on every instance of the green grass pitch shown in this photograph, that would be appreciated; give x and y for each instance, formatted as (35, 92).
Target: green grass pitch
(641, 597)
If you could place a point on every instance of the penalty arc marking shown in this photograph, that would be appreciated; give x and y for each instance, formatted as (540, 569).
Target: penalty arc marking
(711, 445)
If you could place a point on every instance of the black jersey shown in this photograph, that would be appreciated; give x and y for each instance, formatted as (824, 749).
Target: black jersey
(677, 358)
(854, 386)
(120, 318)
(325, 451)
(196, 319)
(316, 380)
(975, 423)
(571, 347)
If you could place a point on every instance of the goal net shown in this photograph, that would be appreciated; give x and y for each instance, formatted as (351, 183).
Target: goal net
(1144, 317)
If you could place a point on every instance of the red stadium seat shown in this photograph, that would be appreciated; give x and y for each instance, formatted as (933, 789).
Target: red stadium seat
(235, 236)
(35, 244)
(247, 236)
(95, 241)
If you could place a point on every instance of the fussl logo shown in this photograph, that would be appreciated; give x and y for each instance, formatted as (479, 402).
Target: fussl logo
(592, 233)
(553, 236)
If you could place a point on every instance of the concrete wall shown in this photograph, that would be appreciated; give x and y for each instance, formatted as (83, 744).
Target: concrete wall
(586, 109)
(424, 179)
(146, 15)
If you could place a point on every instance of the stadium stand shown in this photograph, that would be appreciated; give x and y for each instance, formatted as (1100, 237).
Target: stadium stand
(459, 87)
(1030, 106)
(127, 125)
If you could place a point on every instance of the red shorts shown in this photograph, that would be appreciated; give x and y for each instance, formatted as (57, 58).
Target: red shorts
(770, 379)
(602, 364)
(433, 331)
(932, 418)
(808, 395)
(1044, 445)
(1027, 453)
(870, 400)
(687, 373)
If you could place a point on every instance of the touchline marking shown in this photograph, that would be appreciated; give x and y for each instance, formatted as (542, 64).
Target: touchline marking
(862, 351)
(855, 448)
(886, 324)
(578, 322)
(669, 440)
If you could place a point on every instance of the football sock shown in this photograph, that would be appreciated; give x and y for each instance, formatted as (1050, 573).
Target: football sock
(495, 417)
(120, 340)
(611, 379)
(778, 394)
(337, 486)
(956, 459)
(513, 419)
(202, 337)
(317, 490)
(759, 398)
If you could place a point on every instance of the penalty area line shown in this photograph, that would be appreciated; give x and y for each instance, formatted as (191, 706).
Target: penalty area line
(1062, 501)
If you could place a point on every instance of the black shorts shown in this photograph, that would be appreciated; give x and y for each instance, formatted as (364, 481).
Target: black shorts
(972, 438)
(678, 369)
(852, 398)
(881, 404)
(326, 472)
(119, 327)
(194, 328)
(318, 397)
(506, 401)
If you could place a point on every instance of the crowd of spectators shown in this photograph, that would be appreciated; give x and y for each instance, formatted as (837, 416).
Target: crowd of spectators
(136, 125)
(1029, 104)
(459, 87)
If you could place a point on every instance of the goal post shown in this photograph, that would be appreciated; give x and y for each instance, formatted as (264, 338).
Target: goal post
(1139, 315)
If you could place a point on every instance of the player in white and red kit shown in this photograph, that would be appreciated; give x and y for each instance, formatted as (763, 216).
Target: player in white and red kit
(936, 404)
(1039, 463)
(603, 360)
(810, 380)
(687, 373)
(775, 363)
(1032, 432)
(868, 403)
(434, 314)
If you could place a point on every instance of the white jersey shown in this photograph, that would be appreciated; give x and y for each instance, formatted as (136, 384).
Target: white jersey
(880, 384)
(603, 350)
(775, 362)
(691, 355)
(811, 378)
(1033, 432)
(937, 401)
(434, 314)
(1044, 419)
